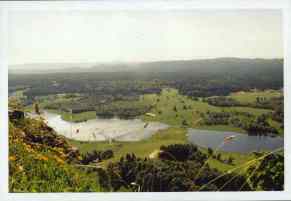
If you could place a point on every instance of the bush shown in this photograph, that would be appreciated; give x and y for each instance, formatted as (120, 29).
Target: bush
(96, 156)
(268, 175)
(131, 173)
(181, 152)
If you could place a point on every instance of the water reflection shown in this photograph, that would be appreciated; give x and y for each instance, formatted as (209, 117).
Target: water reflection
(103, 129)
(240, 143)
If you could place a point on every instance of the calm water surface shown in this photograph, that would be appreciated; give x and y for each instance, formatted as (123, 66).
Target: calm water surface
(242, 143)
(134, 130)
(103, 129)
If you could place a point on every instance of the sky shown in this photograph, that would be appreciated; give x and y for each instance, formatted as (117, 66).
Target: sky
(141, 36)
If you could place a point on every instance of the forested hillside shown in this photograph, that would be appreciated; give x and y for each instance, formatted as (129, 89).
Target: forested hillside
(194, 78)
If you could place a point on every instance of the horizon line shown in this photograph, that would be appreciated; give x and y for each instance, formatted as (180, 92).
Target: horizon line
(134, 62)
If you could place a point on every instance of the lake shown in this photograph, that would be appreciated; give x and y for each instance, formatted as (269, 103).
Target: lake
(135, 129)
(242, 143)
(103, 129)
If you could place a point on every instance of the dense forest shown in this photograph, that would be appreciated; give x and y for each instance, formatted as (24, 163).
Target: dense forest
(196, 78)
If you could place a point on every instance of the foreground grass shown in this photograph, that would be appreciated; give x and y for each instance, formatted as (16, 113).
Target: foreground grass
(43, 165)
(238, 159)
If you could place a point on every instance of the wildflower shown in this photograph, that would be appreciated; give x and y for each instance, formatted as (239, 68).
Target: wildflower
(28, 148)
(12, 158)
(62, 154)
(60, 161)
(20, 168)
(42, 158)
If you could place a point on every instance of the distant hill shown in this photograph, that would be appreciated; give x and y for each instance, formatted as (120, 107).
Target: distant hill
(47, 68)
(219, 64)
(195, 78)
(203, 65)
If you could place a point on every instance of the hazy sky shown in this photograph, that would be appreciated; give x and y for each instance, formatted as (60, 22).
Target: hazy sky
(122, 36)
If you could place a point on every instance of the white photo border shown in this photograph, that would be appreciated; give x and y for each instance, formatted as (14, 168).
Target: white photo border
(6, 6)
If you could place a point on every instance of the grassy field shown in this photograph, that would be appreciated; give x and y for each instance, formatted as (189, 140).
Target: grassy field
(250, 97)
(44, 101)
(254, 111)
(174, 109)
(276, 125)
(79, 117)
(141, 148)
(145, 147)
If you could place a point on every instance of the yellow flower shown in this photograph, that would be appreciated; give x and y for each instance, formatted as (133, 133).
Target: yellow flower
(12, 158)
(42, 158)
(60, 161)
(19, 168)
(62, 155)
(30, 150)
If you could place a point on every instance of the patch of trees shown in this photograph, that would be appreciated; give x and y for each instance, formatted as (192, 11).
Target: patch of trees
(260, 126)
(122, 111)
(261, 102)
(96, 156)
(219, 157)
(268, 174)
(265, 103)
(74, 108)
(278, 113)
(216, 118)
(116, 85)
(253, 125)
(131, 173)
(181, 152)
(223, 101)
(68, 103)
